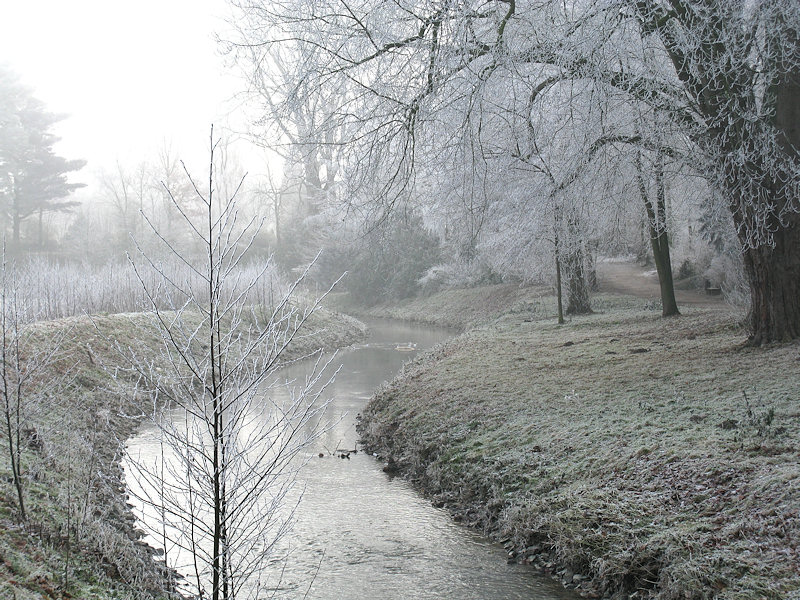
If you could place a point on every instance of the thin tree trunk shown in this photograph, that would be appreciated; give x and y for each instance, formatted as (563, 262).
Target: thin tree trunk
(218, 560)
(15, 216)
(8, 362)
(660, 245)
(14, 450)
(558, 287)
(556, 252)
(659, 240)
(276, 207)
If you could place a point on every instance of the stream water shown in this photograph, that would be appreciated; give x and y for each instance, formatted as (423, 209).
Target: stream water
(361, 534)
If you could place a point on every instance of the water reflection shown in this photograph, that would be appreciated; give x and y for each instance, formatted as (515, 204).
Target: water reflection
(359, 533)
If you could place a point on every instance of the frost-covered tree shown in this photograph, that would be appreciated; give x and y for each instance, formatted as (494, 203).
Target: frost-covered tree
(216, 496)
(33, 178)
(734, 84)
(129, 193)
(301, 126)
(721, 74)
(25, 357)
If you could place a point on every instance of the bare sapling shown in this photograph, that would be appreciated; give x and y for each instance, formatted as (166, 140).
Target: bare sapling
(217, 497)
(23, 360)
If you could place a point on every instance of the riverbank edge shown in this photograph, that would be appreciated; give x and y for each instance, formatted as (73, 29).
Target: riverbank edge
(112, 558)
(429, 425)
(459, 309)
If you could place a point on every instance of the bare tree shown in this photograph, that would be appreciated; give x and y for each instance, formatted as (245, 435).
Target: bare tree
(13, 374)
(303, 129)
(230, 447)
(129, 194)
(23, 363)
(722, 74)
(273, 193)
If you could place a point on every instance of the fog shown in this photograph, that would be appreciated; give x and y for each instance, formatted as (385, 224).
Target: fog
(413, 173)
(130, 77)
(604, 195)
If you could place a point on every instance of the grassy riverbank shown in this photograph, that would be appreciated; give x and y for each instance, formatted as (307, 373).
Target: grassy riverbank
(621, 452)
(461, 308)
(80, 539)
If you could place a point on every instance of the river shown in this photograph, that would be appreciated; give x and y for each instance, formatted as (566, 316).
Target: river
(361, 534)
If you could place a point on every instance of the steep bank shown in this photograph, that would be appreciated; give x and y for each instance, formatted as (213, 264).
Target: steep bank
(80, 540)
(623, 452)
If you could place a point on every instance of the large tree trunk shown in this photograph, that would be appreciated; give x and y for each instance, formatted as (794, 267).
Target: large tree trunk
(760, 179)
(578, 301)
(772, 267)
(716, 72)
(773, 271)
(774, 277)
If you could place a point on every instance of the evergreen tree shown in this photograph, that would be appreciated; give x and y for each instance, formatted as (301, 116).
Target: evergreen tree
(33, 178)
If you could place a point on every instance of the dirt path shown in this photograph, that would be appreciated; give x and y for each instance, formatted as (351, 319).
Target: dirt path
(632, 279)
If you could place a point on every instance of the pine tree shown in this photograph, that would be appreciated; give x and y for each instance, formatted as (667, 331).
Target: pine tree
(33, 178)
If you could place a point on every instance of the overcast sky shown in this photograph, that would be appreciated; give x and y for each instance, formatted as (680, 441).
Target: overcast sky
(130, 75)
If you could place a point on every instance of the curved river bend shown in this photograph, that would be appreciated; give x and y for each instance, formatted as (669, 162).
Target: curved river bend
(360, 534)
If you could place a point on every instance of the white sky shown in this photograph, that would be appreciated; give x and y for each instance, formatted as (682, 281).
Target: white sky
(132, 76)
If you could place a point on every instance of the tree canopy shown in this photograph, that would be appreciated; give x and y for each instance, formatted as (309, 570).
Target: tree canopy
(550, 87)
(33, 178)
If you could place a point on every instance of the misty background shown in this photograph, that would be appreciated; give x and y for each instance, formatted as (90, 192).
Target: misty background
(133, 89)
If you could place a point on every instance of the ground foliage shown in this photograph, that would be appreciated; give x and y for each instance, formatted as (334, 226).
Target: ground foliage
(622, 452)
